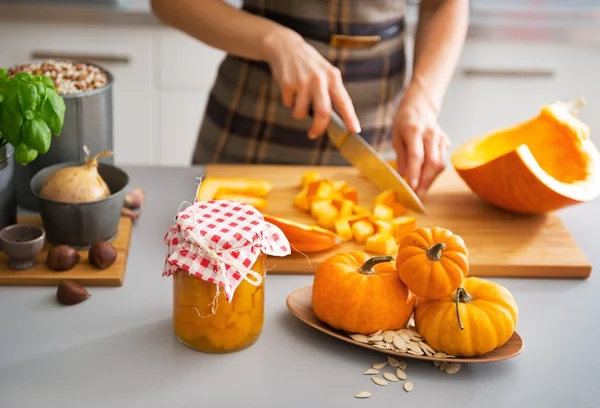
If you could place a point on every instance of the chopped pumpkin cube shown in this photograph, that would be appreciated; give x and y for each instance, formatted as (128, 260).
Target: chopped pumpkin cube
(301, 200)
(357, 217)
(343, 229)
(350, 193)
(361, 230)
(346, 208)
(383, 212)
(339, 185)
(386, 197)
(324, 209)
(399, 209)
(359, 210)
(320, 189)
(309, 177)
(381, 244)
(403, 226)
(384, 228)
(327, 222)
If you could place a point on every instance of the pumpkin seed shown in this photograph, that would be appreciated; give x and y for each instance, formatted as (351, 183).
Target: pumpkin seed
(388, 337)
(401, 374)
(440, 354)
(379, 366)
(452, 368)
(414, 348)
(381, 343)
(361, 338)
(404, 337)
(443, 365)
(379, 346)
(377, 333)
(399, 343)
(379, 381)
(426, 347)
(371, 371)
(392, 361)
(376, 338)
(437, 363)
(408, 386)
(389, 346)
(390, 377)
(402, 365)
(362, 394)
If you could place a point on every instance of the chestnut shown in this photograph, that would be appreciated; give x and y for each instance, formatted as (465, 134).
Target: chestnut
(62, 258)
(102, 254)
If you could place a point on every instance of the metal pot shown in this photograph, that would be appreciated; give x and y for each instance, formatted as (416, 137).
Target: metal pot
(88, 121)
(8, 197)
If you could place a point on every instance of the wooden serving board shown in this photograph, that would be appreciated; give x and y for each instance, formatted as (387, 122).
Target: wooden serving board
(83, 273)
(501, 244)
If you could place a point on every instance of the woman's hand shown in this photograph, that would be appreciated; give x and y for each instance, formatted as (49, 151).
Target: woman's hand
(421, 145)
(307, 79)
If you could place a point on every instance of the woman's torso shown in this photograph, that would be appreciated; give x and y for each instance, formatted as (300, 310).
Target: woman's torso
(245, 121)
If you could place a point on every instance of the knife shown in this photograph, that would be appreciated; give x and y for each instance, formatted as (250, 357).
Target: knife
(362, 156)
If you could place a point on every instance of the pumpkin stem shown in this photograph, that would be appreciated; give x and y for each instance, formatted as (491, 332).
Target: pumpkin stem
(435, 252)
(367, 267)
(461, 296)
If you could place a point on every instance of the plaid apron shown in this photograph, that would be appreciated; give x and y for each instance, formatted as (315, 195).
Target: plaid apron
(245, 120)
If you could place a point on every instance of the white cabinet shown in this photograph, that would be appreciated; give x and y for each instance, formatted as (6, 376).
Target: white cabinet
(180, 116)
(124, 51)
(499, 83)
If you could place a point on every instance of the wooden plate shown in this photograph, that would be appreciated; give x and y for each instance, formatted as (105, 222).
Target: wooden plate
(299, 302)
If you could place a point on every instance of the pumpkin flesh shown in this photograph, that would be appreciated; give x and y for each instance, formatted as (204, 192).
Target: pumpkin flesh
(357, 300)
(485, 320)
(541, 165)
(303, 237)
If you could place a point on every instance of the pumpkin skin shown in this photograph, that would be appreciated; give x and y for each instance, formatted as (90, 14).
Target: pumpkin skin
(432, 262)
(303, 237)
(486, 319)
(540, 165)
(351, 294)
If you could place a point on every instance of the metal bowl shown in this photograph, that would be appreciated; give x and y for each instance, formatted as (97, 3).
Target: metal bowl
(80, 225)
(21, 243)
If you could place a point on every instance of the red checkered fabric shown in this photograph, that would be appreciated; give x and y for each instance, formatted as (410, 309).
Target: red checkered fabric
(235, 232)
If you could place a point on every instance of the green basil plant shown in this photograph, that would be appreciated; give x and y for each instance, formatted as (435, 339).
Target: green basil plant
(31, 111)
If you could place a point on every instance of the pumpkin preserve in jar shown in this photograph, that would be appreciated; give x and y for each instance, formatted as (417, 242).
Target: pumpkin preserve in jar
(217, 258)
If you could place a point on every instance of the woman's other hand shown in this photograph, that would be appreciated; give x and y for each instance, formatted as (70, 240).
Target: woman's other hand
(421, 145)
(307, 79)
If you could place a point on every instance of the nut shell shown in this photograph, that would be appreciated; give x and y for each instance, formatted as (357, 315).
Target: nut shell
(102, 254)
(71, 293)
(62, 258)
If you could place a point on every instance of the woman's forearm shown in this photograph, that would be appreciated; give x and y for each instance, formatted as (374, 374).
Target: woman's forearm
(223, 26)
(441, 32)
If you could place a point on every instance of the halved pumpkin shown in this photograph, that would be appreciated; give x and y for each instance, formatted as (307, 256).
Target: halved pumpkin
(304, 237)
(543, 164)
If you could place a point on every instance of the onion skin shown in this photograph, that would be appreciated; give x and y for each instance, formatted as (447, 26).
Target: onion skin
(77, 184)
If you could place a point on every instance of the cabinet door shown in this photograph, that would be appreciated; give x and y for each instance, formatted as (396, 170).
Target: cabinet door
(500, 83)
(124, 51)
(180, 117)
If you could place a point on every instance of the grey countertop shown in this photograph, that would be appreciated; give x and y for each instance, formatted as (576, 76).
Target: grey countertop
(558, 20)
(117, 349)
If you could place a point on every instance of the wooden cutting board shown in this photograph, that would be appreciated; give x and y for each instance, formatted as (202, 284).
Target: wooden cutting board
(500, 244)
(83, 273)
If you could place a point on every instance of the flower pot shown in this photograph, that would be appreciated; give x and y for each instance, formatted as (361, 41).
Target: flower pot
(8, 197)
(88, 121)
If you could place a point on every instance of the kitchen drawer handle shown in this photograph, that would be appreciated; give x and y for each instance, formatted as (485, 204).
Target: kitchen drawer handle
(509, 73)
(104, 58)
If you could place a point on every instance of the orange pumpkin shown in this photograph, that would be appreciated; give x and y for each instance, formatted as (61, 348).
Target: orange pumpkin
(477, 318)
(359, 294)
(542, 164)
(303, 237)
(432, 262)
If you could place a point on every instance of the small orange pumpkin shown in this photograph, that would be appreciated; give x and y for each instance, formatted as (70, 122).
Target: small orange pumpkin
(477, 318)
(432, 262)
(359, 294)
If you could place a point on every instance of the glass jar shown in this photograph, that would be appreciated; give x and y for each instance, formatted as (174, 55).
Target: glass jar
(233, 326)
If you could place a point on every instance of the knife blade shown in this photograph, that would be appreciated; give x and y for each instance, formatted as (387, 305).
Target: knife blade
(370, 164)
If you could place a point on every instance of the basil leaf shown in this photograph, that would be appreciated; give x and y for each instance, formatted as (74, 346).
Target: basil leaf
(3, 73)
(46, 80)
(36, 134)
(25, 155)
(22, 77)
(29, 99)
(11, 118)
(53, 111)
(41, 88)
